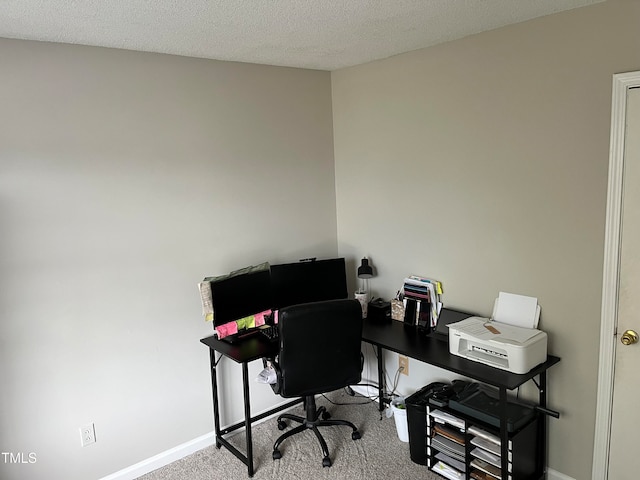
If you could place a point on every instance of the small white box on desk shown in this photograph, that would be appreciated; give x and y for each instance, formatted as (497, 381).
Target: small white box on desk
(515, 349)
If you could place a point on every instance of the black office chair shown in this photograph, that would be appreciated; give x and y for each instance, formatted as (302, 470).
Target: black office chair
(319, 353)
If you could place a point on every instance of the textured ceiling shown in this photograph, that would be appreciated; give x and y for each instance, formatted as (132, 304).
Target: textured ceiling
(318, 34)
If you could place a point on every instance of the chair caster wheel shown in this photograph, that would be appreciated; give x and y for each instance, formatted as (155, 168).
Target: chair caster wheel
(326, 462)
(326, 415)
(281, 425)
(356, 435)
(276, 455)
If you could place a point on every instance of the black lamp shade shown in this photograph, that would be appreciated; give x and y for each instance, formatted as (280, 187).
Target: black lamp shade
(365, 270)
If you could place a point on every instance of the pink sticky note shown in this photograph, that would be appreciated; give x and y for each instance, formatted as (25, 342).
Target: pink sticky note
(226, 329)
(259, 317)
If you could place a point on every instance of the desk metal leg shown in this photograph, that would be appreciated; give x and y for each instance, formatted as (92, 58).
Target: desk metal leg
(247, 417)
(504, 435)
(248, 420)
(220, 440)
(214, 389)
(381, 385)
(542, 435)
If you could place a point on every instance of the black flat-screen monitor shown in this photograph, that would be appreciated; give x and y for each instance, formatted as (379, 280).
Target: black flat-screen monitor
(240, 294)
(308, 281)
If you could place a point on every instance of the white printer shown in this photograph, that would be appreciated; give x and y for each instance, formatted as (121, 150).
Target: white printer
(510, 341)
(500, 345)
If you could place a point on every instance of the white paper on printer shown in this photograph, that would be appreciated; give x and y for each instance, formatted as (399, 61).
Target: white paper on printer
(477, 327)
(517, 310)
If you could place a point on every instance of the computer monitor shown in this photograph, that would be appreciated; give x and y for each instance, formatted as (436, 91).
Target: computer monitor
(308, 281)
(240, 294)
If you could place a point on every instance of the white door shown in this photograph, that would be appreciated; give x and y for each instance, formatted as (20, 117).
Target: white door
(617, 416)
(625, 419)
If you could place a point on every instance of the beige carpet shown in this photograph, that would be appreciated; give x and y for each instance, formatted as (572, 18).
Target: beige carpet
(379, 454)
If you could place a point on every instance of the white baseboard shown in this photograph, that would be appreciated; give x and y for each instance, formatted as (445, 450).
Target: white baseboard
(554, 475)
(162, 459)
(369, 392)
(176, 453)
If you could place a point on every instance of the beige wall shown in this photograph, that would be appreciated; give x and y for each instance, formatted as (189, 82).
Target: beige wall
(483, 163)
(125, 178)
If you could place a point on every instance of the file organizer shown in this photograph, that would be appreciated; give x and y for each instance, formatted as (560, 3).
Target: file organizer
(459, 445)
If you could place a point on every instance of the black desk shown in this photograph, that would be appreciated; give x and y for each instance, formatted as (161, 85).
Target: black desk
(395, 336)
(392, 336)
(252, 348)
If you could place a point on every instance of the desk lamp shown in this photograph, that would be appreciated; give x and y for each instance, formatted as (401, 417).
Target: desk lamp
(365, 272)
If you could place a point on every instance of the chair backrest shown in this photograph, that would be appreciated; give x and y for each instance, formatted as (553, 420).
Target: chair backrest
(320, 346)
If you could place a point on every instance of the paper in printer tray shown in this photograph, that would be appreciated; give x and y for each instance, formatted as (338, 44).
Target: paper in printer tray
(486, 408)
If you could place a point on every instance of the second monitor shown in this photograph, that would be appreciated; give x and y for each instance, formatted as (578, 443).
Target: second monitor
(308, 281)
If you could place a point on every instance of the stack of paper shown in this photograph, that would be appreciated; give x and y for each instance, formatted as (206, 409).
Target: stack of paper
(425, 293)
(448, 471)
(444, 417)
(449, 447)
(486, 456)
(204, 288)
(494, 472)
(516, 310)
(486, 445)
(458, 465)
(484, 434)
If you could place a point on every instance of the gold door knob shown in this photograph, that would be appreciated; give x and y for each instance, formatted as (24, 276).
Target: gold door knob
(629, 337)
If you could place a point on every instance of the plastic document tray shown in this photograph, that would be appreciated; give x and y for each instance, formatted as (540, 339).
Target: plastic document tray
(485, 408)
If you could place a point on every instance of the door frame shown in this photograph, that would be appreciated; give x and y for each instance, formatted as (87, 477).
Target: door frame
(622, 82)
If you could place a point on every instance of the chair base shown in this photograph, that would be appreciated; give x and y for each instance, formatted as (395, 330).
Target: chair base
(311, 421)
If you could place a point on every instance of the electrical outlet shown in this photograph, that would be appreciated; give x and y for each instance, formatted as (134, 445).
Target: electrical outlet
(87, 434)
(403, 365)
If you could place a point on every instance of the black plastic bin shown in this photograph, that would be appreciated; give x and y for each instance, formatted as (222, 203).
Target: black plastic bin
(417, 421)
